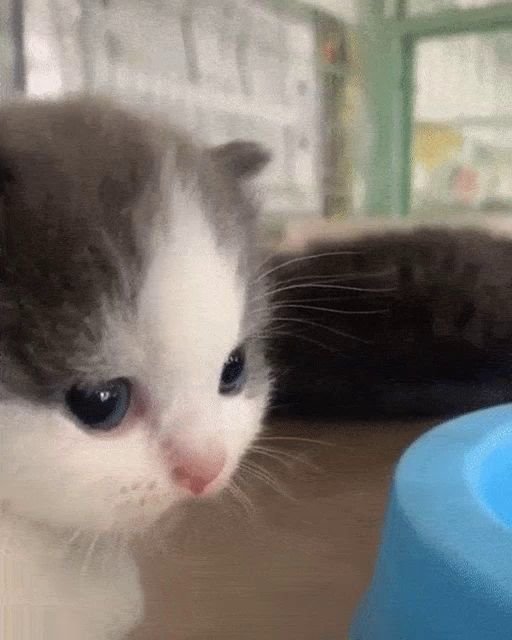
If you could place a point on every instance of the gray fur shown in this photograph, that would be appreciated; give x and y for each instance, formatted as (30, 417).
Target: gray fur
(81, 191)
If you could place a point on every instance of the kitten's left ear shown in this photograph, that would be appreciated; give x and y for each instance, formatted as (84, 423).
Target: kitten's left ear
(242, 158)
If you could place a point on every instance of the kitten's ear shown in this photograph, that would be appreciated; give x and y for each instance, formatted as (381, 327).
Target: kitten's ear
(242, 158)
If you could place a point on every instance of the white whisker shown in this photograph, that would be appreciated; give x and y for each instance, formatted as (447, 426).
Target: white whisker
(302, 259)
(319, 325)
(297, 439)
(284, 457)
(88, 555)
(77, 533)
(340, 287)
(298, 336)
(267, 478)
(242, 498)
(369, 312)
(333, 298)
(337, 277)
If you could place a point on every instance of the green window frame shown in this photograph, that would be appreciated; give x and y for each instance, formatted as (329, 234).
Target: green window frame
(391, 38)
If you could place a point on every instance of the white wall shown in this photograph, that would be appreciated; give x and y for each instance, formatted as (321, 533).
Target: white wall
(136, 49)
(459, 78)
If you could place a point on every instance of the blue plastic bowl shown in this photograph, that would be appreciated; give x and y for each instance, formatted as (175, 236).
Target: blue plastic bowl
(444, 570)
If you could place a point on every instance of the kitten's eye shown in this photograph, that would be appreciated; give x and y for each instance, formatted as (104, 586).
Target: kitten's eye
(102, 407)
(233, 373)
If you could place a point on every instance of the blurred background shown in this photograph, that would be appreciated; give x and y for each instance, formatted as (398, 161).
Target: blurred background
(373, 108)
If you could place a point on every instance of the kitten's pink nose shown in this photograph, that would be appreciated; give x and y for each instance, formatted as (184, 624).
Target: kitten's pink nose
(196, 475)
(190, 468)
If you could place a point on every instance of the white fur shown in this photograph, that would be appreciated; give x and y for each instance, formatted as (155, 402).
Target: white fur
(91, 487)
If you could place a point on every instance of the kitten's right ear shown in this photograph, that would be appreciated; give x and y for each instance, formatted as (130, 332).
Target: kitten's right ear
(242, 158)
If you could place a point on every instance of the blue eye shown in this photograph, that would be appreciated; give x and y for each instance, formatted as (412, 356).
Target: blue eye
(233, 373)
(103, 407)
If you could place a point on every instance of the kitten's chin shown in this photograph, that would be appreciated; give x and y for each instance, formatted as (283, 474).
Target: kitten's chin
(143, 517)
(150, 515)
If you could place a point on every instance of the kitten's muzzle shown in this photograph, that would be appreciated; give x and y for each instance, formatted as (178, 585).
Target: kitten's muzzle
(195, 472)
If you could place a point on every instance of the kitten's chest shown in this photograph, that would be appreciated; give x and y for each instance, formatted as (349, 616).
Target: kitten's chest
(67, 593)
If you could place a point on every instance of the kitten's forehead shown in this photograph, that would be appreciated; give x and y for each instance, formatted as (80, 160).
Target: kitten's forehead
(191, 302)
(87, 187)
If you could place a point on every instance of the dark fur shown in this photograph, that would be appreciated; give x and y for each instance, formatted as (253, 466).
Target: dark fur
(81, 191)
(436, 340)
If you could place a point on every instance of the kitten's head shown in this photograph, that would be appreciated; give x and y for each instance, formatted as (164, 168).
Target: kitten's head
(131, 374)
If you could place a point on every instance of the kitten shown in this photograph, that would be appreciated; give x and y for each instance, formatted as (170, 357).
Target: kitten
(131, 371)
(412, 323)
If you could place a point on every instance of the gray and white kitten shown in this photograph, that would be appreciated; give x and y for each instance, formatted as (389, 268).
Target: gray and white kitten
(131, 372)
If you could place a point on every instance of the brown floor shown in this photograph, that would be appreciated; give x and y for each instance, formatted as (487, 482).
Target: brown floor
(292, 566)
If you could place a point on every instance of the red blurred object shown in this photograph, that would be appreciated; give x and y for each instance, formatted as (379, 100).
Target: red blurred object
(466, 184)
(330, 52)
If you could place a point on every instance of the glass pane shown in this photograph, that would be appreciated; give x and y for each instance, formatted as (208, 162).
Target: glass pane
(416, 7)
(462, 152)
